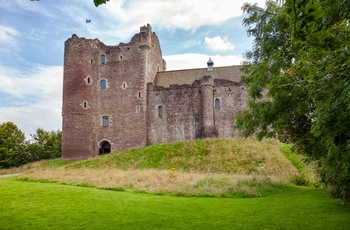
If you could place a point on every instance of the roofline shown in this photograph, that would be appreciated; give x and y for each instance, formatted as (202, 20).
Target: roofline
(217, 67)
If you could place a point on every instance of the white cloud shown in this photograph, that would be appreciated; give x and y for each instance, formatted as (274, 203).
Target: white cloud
(36, 98)
(191, 61)
(171, 14)
(8, 35)
(218, 44)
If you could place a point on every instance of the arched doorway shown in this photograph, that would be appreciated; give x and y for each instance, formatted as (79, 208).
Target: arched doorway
(105, 147)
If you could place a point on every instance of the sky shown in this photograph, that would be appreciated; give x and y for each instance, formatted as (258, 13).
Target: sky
(32, 36)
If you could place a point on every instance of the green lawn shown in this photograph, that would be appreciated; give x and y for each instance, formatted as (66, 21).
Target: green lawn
(33, 205)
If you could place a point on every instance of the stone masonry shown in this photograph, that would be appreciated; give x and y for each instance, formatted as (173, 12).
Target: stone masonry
(118, 97)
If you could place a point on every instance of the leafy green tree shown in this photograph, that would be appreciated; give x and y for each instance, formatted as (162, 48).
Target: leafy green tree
(100, 2)
(12, 146)
(298, 78)
(45, 145)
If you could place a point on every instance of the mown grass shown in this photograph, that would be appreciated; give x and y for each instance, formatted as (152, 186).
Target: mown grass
(33, 205)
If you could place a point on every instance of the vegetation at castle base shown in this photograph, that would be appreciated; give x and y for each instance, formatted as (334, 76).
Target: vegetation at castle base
(301, 56)
(15, 150)
(29, 205)
(234, 167)
(215, 155)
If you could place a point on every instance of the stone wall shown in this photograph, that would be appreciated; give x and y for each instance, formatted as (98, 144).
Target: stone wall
(190, 111)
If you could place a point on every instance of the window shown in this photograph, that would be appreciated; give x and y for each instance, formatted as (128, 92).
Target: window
(85, 105)
(137, 109)
(103, 59)
(217, 104)
(160, 111)
(105, 121)
(88, 80)
(124, 85)
(139, 94)
(103, 84)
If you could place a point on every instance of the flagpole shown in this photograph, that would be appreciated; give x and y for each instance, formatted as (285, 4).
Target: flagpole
(86, 22)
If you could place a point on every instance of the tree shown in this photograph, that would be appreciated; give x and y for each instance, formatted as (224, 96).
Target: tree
(298, 78)
(100, 2)
(45, 145)
(12, 146)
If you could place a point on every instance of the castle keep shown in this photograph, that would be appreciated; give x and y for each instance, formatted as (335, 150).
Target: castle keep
(117, 97)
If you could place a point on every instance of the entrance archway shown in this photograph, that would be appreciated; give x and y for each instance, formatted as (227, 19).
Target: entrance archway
(105, 147)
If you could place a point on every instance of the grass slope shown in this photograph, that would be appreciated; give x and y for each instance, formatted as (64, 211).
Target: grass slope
(234, 156)
(29, 205)
(211, 167)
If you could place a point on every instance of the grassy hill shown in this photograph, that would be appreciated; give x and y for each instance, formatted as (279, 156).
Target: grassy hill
(213, 167)
(208, 167)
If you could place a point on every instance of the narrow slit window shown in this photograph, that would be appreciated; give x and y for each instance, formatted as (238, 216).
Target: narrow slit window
(103, 59)
(88, 80)
(217, 104)
(103, 85)
(85, 105)
(105, 121)
(137, 109)
(139, 94)
(160, 111)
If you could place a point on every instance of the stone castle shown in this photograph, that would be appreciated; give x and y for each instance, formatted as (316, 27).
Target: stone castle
(117, 97)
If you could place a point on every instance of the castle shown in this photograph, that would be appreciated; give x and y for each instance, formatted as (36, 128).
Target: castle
(117, 97)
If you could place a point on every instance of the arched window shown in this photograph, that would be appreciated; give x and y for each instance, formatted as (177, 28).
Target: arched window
(105, 121)
(103, 59)
(103, 84)
(217, 104)
(160, 111)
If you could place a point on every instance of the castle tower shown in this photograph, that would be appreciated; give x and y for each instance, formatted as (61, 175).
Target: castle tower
(207, 104)
(104, 93)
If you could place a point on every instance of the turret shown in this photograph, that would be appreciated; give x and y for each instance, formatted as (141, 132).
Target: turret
(207, 104)
(210, 65)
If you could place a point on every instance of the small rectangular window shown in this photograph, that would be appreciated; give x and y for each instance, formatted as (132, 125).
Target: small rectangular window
(160, 111)
(103, 59)
(105, 121)
(103, 84)
(217, 104)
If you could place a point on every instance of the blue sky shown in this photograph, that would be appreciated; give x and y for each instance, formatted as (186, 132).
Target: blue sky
(32, 36)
